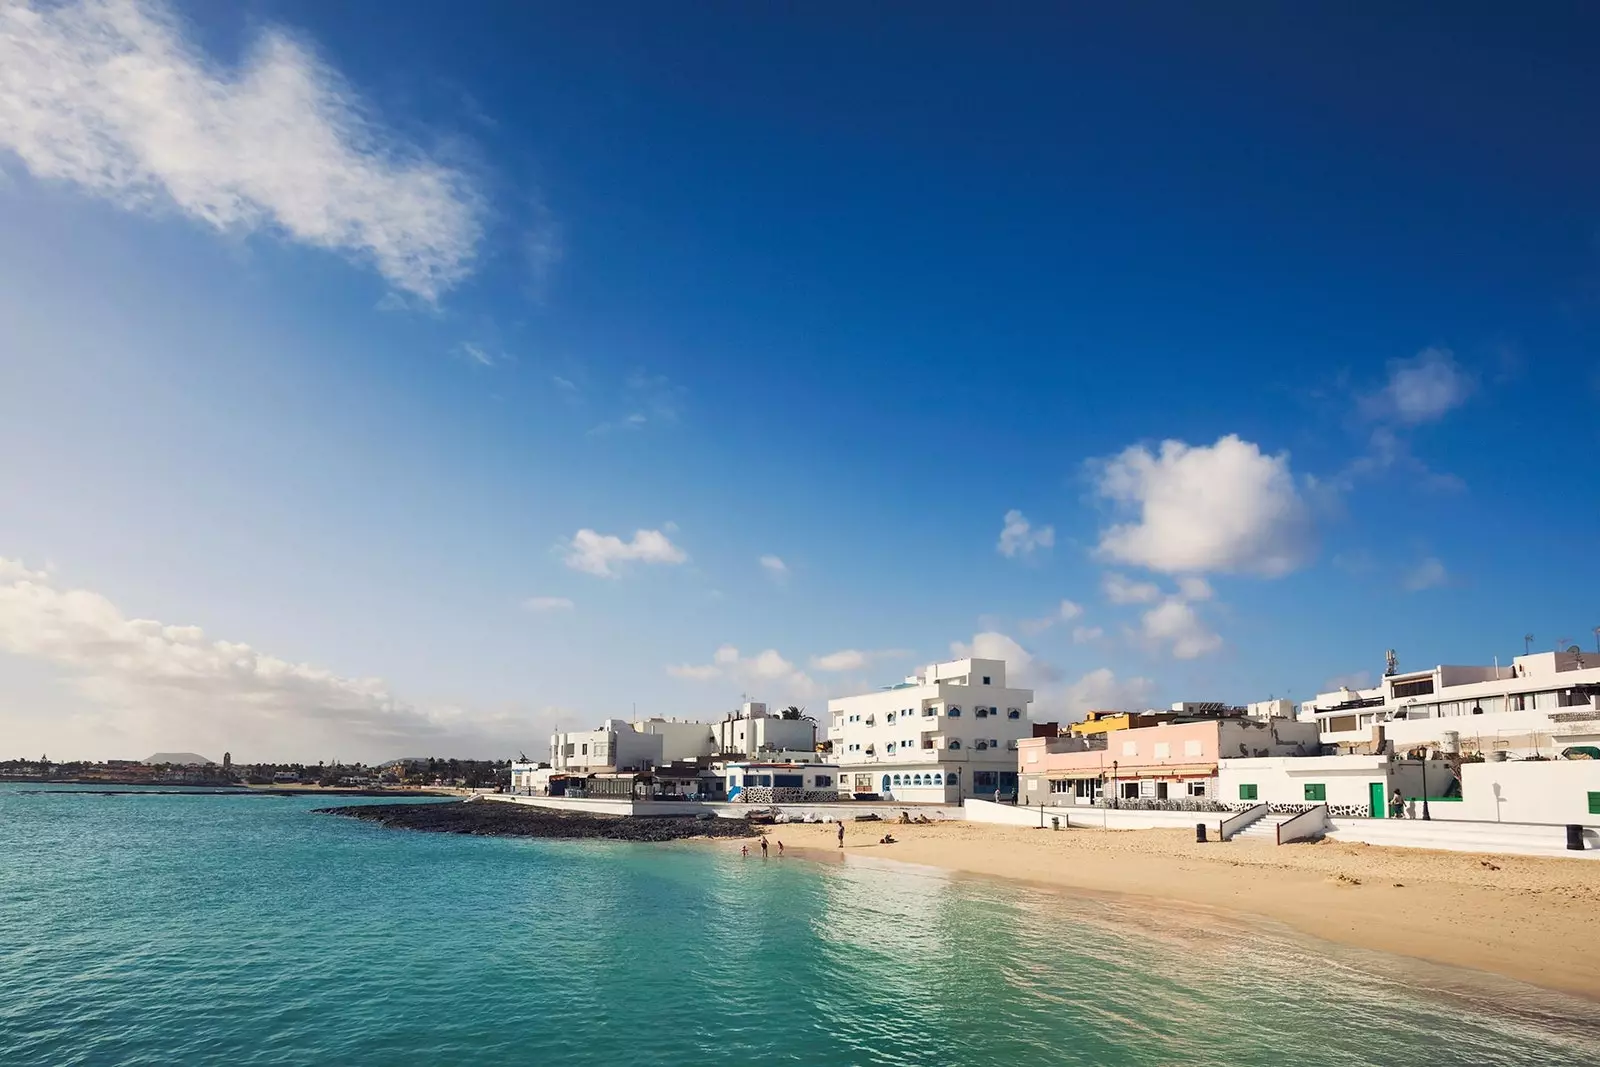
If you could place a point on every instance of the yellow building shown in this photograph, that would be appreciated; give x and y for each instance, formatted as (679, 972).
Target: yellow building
(1103, 722)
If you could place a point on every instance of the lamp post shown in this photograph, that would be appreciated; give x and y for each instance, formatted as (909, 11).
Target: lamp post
(1425, 814)
(1114, 783)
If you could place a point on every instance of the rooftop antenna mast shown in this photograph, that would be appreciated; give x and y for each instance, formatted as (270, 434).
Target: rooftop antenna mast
(1391, 663)
(1597, 639)
(1527, 644)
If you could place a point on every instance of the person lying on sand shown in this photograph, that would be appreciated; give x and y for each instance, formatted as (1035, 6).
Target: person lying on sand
(887, 839)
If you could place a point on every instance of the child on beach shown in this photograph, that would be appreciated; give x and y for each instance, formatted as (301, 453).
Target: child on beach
(744, 850)
(780, 848)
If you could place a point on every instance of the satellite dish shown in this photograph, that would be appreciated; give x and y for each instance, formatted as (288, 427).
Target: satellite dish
(1574, 651)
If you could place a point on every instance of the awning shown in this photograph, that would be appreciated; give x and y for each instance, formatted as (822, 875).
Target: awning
(1132, 774)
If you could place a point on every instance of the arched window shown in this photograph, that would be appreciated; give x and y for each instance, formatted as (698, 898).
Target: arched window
(1013, 713)
(916, 779)
(954, 744)
(954, 712)
(897, 779)
(981, 745)
(936, 778)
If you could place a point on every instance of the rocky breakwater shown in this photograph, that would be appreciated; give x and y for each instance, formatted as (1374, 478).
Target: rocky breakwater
(490, 819)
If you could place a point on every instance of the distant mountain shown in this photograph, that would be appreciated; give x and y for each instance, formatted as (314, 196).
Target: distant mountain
(179, 759)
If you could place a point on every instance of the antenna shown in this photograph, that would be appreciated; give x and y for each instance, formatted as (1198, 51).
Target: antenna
(1391, 663)
(1597, 638)
(1527, 644)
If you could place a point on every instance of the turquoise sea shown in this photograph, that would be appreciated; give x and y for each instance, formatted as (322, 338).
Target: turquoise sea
(159, 929)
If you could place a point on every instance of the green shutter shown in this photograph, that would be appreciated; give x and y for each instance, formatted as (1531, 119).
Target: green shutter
(1248, 792)
(1316, 792)
(1594, 803)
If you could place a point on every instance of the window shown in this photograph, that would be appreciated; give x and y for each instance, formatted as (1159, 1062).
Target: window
(824, 781)
(954, 712)
(994, 743)
(733, 780)
(1130, 748)
(1013, 713)
(1192, 748)
(897, 779)
(1062, 785)
(981, 745)
(789, 781)
(982, 713)
(1420, 688)
(1130, 790)
(1316, 791)
(1247, 792)
(985, 781)
(986, 679)
(569, 751)
(954, 744)
(1163, 750)
(938, 779)
(764, 779)
(888, 750)
(916, 779)
(1197, 789)
(1594, 803)
(889, 717)
(929, 710)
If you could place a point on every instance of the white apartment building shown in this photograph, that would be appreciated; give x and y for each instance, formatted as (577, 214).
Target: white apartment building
(947, 732)
(644, 744)
(618, 745)
(1542, 704)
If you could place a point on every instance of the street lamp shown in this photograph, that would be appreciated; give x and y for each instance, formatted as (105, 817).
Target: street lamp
(1425, 814)
(1113, 783)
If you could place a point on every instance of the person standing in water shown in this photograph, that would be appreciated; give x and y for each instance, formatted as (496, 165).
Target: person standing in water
(763, 848)
(841, 833)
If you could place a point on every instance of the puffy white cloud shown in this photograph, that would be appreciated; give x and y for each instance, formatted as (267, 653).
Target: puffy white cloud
(1428, 574)
(1023, 668)
(150, 685)
(600, 554)
(1083, 635)
(1173, 624)
(767, 669)
(113, 97)
(1421, 389)
(1102, 690)
(1018, 537)
(1223, 507)
(776, 569)
(547, 603)
(1192, 587)
(1120, 589)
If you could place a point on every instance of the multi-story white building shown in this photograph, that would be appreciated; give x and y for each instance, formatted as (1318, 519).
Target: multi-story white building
(946, 732)
(618, 745)
(644, 744)
(1541, 704)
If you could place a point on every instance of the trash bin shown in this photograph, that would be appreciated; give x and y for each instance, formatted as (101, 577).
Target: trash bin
(1055, 822)
(1574, 837)
(1200, 832)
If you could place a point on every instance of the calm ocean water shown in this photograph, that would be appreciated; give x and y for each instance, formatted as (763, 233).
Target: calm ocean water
(241, 930)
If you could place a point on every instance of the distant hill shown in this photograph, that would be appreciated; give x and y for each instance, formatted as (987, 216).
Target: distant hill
(179, 759)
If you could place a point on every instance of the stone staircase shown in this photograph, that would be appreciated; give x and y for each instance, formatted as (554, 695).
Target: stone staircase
(1264, 829)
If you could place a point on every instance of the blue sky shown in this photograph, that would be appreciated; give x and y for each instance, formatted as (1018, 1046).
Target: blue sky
(325, 338)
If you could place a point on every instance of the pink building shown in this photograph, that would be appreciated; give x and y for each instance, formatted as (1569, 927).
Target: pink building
(1171, 761)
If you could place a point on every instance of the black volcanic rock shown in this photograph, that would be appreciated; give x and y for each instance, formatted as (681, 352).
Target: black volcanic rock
(487, 818)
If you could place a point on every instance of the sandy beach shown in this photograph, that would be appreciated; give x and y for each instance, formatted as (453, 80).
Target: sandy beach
(1521, 917)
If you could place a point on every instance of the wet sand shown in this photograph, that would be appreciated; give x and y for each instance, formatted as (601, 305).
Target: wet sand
(1521, 917)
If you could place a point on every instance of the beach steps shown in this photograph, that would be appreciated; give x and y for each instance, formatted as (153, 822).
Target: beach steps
(1264, 829)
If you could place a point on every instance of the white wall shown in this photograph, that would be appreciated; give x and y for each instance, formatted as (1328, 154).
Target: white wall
(1283, 780)
(679, 740)
(1555, 792)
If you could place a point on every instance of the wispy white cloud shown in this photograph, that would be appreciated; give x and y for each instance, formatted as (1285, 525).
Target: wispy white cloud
(1421, 389)
(114, 97)
(1083, 635)
(853, 659)
(646, 400)
(547, 603)
(1018, 537)
(1429, 573)
(602, 554)
(1066, 611)
(776, 569)
(479, 355)
(1120, 589)
(767, 671)
(1225, 507)
(160, 685)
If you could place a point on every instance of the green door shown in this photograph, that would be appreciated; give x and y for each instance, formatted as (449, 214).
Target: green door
(1375, 797)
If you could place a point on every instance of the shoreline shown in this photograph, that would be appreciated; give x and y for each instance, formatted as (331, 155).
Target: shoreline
(1516, 917)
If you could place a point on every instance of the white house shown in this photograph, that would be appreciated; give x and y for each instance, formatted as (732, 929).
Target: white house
(946, 732)
(1541, 704)
(762, 782)
(1355, 786)
(754, 730)
(617, 746)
